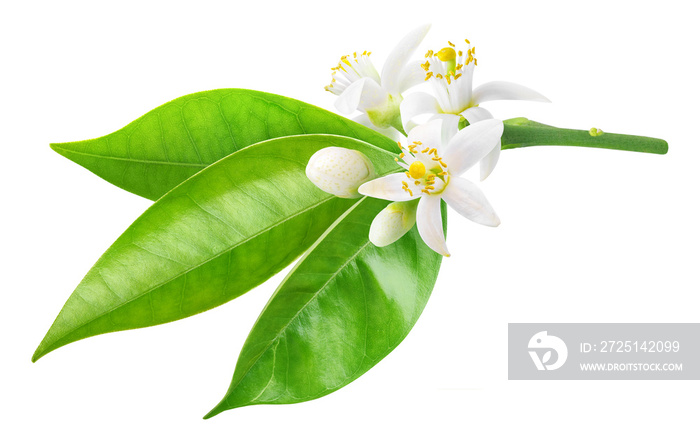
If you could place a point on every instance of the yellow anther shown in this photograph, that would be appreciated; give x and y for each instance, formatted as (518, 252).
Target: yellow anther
(424, 150)
(404, 183)
(443, 164)
(429, 188)
(407, 174)
(399, 143)
(425, 191)
(426, 66)
(417, 183)
(449, 81)
(401, 155)
(396, 159)
(418, 142)
(450, 43)
(432, 151)
(416, 170)
(369, 53)
(442, 173)
(460, 53)
(466, 41)
(429, 75)
(446, 54)
(439, 76)
(437, 158)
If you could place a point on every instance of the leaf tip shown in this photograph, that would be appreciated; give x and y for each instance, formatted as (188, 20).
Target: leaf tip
(214, 412)
(55, 147)
(38, 354)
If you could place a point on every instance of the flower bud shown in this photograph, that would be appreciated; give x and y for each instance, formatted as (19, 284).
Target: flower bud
(340, 171)
(392, 223)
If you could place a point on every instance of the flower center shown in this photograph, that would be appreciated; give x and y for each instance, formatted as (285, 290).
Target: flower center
(428, 171)
(417, 170)
(448, 64)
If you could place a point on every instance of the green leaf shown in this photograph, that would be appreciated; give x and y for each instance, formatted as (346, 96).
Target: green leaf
(521, 132)
(343, 308)
(169, 144)
(211, 239)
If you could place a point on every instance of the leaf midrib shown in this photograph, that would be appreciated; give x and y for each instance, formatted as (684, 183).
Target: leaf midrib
(296, 315)
(131, 160)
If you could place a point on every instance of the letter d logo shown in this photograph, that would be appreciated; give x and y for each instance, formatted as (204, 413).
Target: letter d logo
(546, 344)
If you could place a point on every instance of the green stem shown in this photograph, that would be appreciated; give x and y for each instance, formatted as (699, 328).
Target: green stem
(521, 132)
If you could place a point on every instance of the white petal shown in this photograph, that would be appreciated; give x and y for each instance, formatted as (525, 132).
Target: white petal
(392, 133)
(412, 75)
(392, 223)
(488, 163)
(469, 201)
(428, 134)
(362, 94)
(397, 59)
(471, 144)
(450, 126)
(389, 187)
(476, 114)
(501, 90)
(429, 220)
(416, 104)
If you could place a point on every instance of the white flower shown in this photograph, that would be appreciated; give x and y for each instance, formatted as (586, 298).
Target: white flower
(359, 87)
(339, 171)
(450, 72)
(434, 158)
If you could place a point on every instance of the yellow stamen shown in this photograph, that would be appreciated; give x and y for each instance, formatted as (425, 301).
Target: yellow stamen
(424, 150)
(416, 170)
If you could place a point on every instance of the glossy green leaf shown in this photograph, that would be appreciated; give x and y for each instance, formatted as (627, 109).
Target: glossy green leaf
(343, 308)
(169, 144)
(211, 239)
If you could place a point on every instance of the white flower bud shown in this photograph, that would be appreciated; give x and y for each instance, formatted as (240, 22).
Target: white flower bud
(392, 223)
(340, 171)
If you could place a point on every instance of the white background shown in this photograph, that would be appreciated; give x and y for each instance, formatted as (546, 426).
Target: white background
(587, 235)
